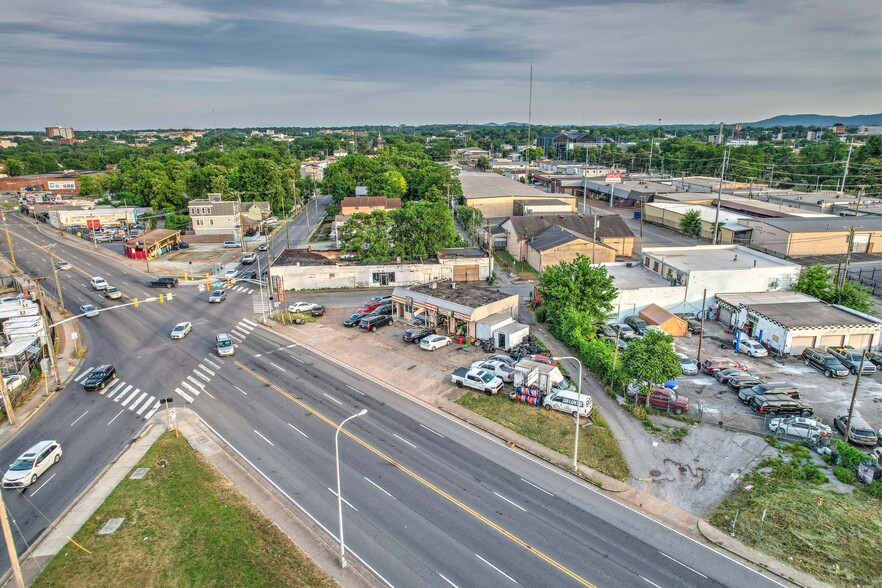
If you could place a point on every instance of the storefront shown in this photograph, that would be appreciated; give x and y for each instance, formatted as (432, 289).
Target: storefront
(152, 244)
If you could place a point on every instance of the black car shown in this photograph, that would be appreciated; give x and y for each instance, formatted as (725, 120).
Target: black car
(383, 309)
(164, 283)
(875, 357)
(823, 362)
(723, 376)
(354, 319)
(416, 334)
(99, 377)
(739, 382)
(372, 323)
(317, 310)
(693, 326)
(249, 275)
(636, 323)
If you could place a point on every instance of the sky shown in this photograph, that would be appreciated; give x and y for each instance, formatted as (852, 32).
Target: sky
(121, 64)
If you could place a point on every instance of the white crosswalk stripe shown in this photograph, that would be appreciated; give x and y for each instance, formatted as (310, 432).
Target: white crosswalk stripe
(152, 411)
(211, 363)
(201, 375)
(195, 381)
(129, 398)
(84, 374)
(240, 289)
(195, 391)
(113, 387)
(250, 291)
(121, 394)
(246, 326)
(184, 395)
(146, 404)
(138, 401)
(208, 371)
(239, 334)
(247, 322)
(235, 338)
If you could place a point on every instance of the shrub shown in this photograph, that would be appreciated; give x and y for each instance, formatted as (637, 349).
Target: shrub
(874, 489)
(849, 457)
(844, 475)
(811, 473)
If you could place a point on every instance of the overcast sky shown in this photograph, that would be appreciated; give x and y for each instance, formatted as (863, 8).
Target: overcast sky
(119, 64)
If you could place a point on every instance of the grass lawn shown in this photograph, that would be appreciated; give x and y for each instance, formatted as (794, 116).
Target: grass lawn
(185, 525)
(833, 536)
(520, 268)
(553, 429)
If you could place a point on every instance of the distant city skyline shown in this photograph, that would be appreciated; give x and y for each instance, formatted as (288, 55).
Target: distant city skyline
(206, 64)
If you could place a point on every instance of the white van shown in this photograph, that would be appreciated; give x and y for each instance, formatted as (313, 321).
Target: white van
(568, 401)
(224, 345)
(232, 244)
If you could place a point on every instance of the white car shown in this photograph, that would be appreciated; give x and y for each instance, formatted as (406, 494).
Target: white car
(181, 330)
(497, 368)
(688, 366)
(14, 382)
(63, 266)
(231, 273)
(90, 310)
(112, 293)
(802, 427)
(300, 307)
(433, 342)
(32, 464)
(98, 283)
(751, 348)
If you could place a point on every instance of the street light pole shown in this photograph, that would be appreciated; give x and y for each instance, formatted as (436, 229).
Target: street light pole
(9, 242)
(340, 496)
(578, 411)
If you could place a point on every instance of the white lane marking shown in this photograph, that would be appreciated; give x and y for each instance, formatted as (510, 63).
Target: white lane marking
(354, 390)
(129, 399)
(195, 391)
(84, 374)
(405, 440)
(446, 580)
(379, 488)
(682, 564)
(247, 322)
(650, 581)
(114, 418)
(211, 363)
(346, 502)
(122, 392)
(290, 346)
(208, 371)
(184, 395)
(152, 411)
(239, 334)
(43, 484)
(510, 502)
(264, 438)
(240, 390)
(332, 398)
(195, 382)
(247, 327)
(124, 283)
(495, 568)
(146, 404)
(258, 354)
(78, 419)
(201, 375)
(138, 401)
(298, 430)
(278, 367)
(431, 431)
(209, 393)
(296, 359)
(537, 487)
(290, 499)
(107, 391)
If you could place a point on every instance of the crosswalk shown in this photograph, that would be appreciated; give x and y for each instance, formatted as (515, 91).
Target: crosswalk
(126, 395)
(242, 289)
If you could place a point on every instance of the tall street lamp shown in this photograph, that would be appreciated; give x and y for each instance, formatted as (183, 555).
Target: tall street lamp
(340, 496)
(578, 411)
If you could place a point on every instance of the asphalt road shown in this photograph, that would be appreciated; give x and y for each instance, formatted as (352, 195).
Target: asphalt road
(428, 501)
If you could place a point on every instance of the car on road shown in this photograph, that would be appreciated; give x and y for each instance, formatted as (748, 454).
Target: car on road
(100, 377)
(261, 247)
(433, 342)
(14, 382)
(861, 433)
(249, 275)
(688, 366)
(231, 274)
(32, 464)
(218, 296)
(497, 368)
(374, 322)
(90, 310)
(63, 266)
(800, 427)
(636, 323)
(165, 282)
(317, 310)
(98, 283)
(722, 376)
(659, 398)
(416, 334)
(353, 319)
(224, 345)
(715, 364)
(750, 347)
(823, 362)
(112, 293)
(300, 307)
(249, 258)
(181, 330)
(369, 306)
(739, 382)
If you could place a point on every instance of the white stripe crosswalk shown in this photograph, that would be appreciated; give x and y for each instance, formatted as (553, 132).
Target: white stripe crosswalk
(138, 401)
(239, 334)
(247, 322)
(128, 396)
(83, 374)
(124, 392)
(184, 395)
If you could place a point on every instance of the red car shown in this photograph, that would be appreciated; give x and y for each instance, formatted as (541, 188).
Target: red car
(715, 364)
(661, 399)
(369, 306)
(542, 359)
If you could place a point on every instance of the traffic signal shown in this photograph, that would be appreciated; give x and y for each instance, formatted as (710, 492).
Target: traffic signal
(161, 298)
(208, 285)
(135, 302)
(229, 282)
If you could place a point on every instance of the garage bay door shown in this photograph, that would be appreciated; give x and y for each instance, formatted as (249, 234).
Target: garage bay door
(832, 341)
(466, 273)
(800, 343)
(861, 341)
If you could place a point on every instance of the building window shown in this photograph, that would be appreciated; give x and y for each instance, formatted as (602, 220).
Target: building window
(670, 273)
(655, 266)
(646, 261)
(383, 278)
(211, 221)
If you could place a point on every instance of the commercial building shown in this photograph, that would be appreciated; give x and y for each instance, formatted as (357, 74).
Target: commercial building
(54, 183)
(669, 214)
(495, 195)
(60, 132)
(152, 244)
(795, 237)
(226, 218)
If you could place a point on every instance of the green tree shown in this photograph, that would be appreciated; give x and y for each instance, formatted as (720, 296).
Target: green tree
(389, 183)
(691, 222)
(14, 167)
(367, 236)
(483, 163)
(817, 281)
(652, 359)
(211, 178)
(176, 222)
(469, 217)
(440, 150)
(259, 179)
(855, 296)
(421, 228)
(578, 285)
(92, 185)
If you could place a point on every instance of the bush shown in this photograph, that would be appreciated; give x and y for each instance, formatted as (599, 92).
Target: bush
(844, 475)
(849, 457)
(541, 314)
(811, 473)
(874, 489)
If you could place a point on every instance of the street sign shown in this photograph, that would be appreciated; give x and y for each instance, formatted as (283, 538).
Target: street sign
(73, 335)
(172, 414)
(201, 287)
(280, 288)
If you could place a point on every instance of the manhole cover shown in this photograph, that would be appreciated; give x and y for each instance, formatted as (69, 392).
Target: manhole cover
(654, 473)
(139, 474)
(111, 526)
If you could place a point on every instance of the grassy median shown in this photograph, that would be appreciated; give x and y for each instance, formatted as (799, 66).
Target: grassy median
(185, 525)
(553, 429)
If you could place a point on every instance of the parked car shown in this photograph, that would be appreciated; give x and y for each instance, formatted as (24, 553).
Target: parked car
(778, 404)
(693, 326)
(416, 334)
(823, 362)
(688, 366)
(32, 464)
(90, 310)
(506, 359)
(181, 330)
(14, 382)
(497, 368)
(569, 401)
(217, 296)
(723, 376)
(800, 427)
(368, 306)
(232, 244)
(166, 282)
(480, 380)
(715, 364)
(636, 323)
(353, 319)
(875, 358)
(606, 331)
(382, 299)
(779, 388)
(100, 377)
(740, 382)
(851, 359)
(63, 266)
(372, 323)
(300, 307)
(98, 283)
(624, 331)
(317, 310)
(750, 347)
(547, 360)
(112, 293)
(384, 309)
(660, 398)
(249, 258)
(860, 432)
(433, 342)
(183, 245)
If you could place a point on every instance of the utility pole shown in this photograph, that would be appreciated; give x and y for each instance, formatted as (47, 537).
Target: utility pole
(241, 233)
(57, 283)
(720, 195)
(46, 325)
(854, 395)
(850, 242)
(10, 545)
(7, 401)
(701, 334)
(9, 242)
(593, 236)
(845, 173)
(529, 117)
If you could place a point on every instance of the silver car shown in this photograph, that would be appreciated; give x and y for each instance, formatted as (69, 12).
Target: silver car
(688, 366)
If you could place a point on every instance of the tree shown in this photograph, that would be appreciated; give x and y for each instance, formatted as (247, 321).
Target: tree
(422, 228)
(211, 178)
(817, 281)
(469, 217)
(367, 236)
(390, 184)
(92, 185)
(855, 296)
(651, 359)
(483, 163)
(578, 285)
(691, 222)
(176, 222)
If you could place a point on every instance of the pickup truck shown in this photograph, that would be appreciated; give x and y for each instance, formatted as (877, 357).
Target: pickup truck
(481, 380)
(851, 359)
(164, 283)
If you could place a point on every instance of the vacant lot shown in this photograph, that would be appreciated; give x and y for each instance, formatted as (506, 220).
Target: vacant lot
(184, 526)
(555, 430)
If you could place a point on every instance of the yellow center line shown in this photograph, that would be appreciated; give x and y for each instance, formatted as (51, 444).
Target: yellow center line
(547, 559)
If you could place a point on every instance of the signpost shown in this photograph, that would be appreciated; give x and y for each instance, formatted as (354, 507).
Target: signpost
(170, 412)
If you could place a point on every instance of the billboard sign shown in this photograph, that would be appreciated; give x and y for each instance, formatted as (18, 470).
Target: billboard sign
(613, 178)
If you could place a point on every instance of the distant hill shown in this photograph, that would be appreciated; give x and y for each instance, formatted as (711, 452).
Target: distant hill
(817, 120)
